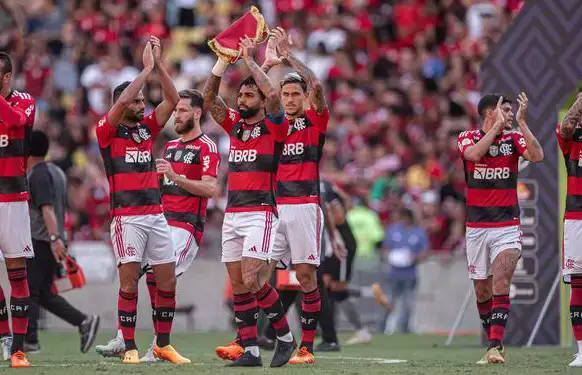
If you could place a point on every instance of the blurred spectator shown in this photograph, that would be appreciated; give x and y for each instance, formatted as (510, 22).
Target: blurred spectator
(400, 76)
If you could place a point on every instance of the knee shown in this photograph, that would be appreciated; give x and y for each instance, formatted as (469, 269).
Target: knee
(167, 284)
(238, 287)
(482, 292)
(128, 283)
(251, 282)
(307, 279)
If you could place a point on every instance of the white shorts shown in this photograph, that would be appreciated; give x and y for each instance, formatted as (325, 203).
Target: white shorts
(299, 234)
(144, 239)
(185, 247)
(249, 235)
(15, 237)
(485, 244)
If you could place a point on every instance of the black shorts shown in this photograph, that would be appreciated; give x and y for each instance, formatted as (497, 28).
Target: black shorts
(339, 270)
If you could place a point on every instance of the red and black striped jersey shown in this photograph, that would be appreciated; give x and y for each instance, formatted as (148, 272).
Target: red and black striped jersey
(253, 160)
(572, 151)
(14, 148)
(193, 159)
(134, 187)
(298, 173)
(491, 196)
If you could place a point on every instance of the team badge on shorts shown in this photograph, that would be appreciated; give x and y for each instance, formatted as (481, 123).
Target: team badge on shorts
(177, 155)
(246, 135)
(136, 137)
(493, 151)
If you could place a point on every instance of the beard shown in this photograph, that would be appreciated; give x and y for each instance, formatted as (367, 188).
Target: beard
(133, 116)
(247, 113)
(184, 127)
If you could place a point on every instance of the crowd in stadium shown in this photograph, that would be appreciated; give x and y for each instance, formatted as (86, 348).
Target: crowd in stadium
(400, 77)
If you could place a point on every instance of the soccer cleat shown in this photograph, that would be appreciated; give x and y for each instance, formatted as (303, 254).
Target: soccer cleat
(247, 359)
(88, 330)
(265, 343)
(168, 353)
(149, 356)
(31, 347)
(303, 357)
(361, 337)
(131, 357)
(6, 344)
(114, 348)
(380, 298)
(283, 352)
(231, 352)
(18, 360)
(577, 362)
(484, 361)
(327, 347)
(494, 355)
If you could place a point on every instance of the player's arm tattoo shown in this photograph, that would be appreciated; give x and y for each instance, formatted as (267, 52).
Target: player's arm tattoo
(571, 119)
(255, 273)
(212, 101)
(534, 151)
(273, 102)
(317, 95)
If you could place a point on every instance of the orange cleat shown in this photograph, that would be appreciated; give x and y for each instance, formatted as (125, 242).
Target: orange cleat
(18, 360)
(231, 352)
(302, 357)
(168, 353)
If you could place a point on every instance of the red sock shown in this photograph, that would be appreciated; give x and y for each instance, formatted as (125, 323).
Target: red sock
(310, 308)
(268, 301)
(499, 316)
(484, 309)
(4, 326)
(246, 313)
(165, 309)
(576, 306)
(127, 317)
(151, 284)
(19, 306)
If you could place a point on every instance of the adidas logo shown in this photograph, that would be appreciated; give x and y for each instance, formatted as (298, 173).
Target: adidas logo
(272, 315)
(253, 249)
(311, 257)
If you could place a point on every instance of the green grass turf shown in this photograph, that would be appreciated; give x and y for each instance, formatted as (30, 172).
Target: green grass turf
(423, 354)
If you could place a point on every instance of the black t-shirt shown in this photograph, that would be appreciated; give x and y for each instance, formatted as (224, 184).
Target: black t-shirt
(330, 195)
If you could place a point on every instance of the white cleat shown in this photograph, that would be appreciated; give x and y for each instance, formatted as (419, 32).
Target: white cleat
(6, 344)
(577, 362)
(149, 356)
(363, 336)
(114, 348)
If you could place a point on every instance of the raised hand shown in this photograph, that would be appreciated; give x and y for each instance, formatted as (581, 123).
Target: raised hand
(148, 57)
(522, 110)
(271, 57)
(157, 49)
(248, 48)
(283, 41)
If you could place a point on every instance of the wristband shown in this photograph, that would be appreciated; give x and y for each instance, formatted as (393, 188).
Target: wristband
(219, 68)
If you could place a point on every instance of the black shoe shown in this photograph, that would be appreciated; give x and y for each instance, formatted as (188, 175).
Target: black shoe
(247, 360)
(327, 347)
(266, 343)
(283, 352)
(31, 347)
(88, 330)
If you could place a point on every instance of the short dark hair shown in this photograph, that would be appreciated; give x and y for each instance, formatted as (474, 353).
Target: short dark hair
(294, 78)
(489, 101)
(195, 96)
(250, 81)
(6, 63)
(39, 143)
(119, 89)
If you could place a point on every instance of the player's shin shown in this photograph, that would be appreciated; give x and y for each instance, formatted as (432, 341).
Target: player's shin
(127, 316)
(499, 314)
(268, 301)
(165, 309)
(152, 288)
(4, 326)
(310, 308)
(19, 306)
(483, 294)
(246, 312)
(576, 309)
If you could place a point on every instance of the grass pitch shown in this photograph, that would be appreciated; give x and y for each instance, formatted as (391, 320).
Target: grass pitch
(395, 354)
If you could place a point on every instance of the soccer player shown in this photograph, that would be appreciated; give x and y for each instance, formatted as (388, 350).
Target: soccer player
(190, 166)
(491, 155)
(17, 112)
(139, 230)
(569, 134)
(257, 132)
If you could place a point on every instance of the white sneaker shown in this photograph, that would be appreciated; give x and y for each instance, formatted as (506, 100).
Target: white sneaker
(149, 356)
(114, 348)
(577, 362)
(363, 336)
(6, 343)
